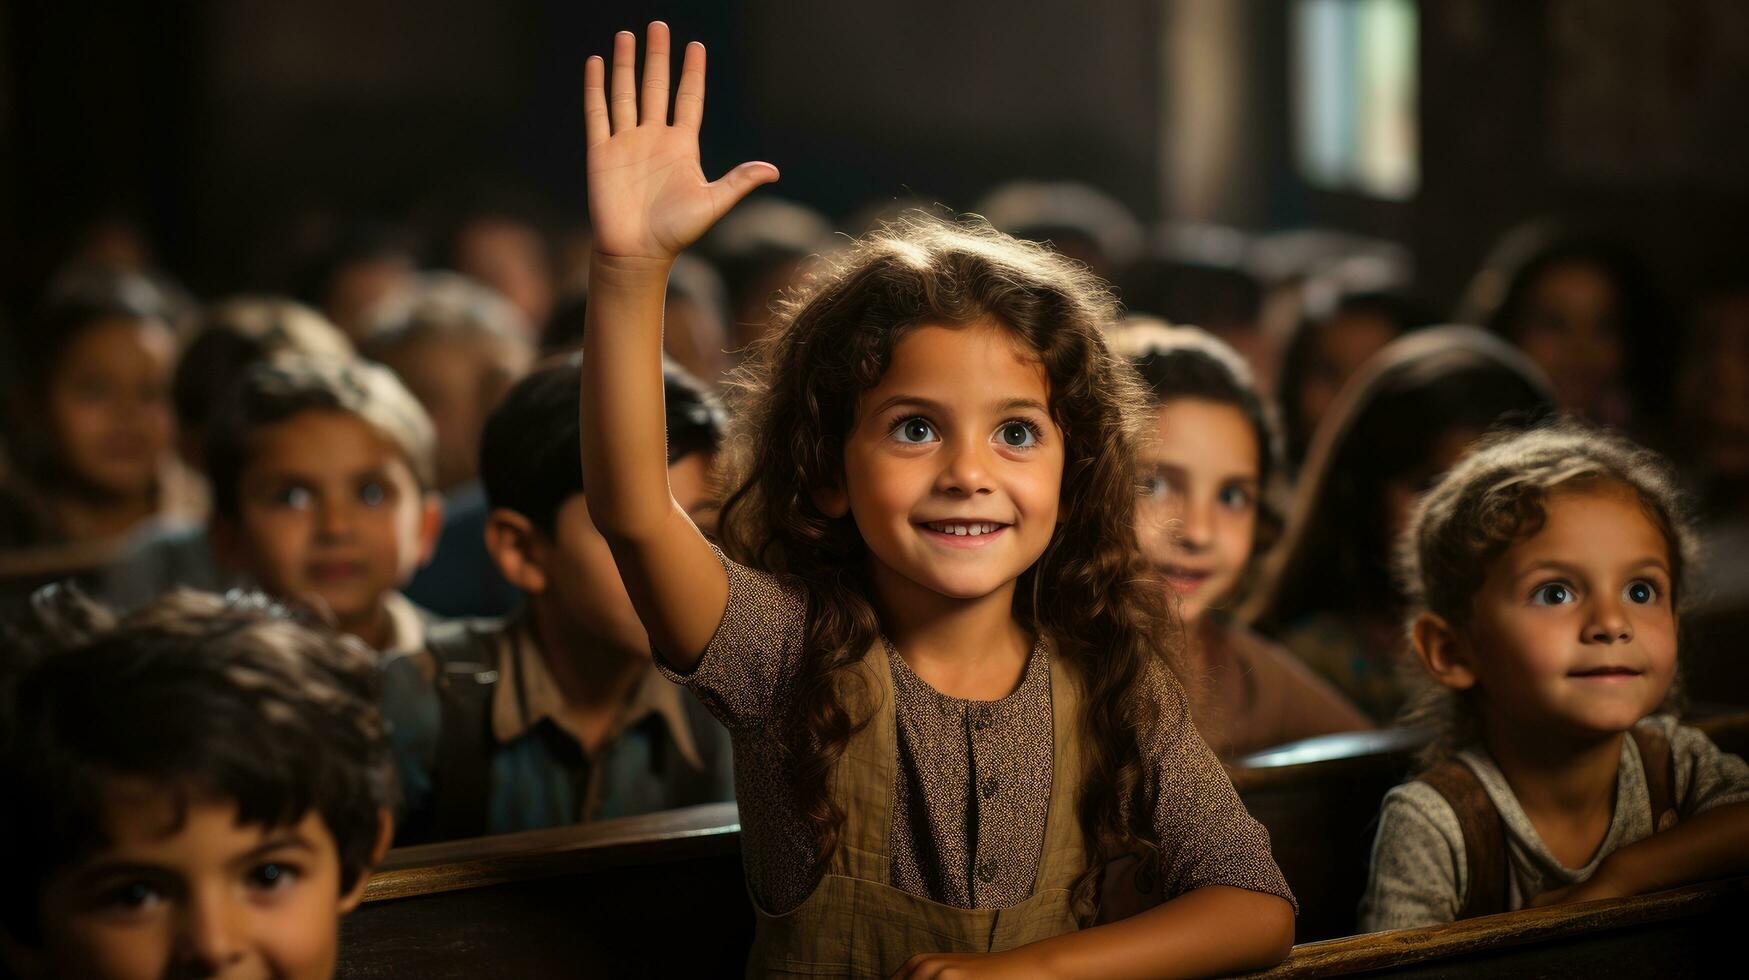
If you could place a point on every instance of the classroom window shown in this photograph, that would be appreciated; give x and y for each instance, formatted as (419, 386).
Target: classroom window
(1354, 76)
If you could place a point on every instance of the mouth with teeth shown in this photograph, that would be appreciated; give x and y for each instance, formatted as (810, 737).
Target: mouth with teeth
(964, 533)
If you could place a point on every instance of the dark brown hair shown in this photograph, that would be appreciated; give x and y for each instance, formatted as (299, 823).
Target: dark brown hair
(1090, 591)
(197, 693)
(1498, 497)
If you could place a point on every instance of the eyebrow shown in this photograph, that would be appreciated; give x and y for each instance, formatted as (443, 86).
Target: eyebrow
(1161, 466)
(1555, 564)
(930, 405)
(100, 869)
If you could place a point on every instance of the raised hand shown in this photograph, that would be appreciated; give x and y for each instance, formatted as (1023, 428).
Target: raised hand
(648, 196)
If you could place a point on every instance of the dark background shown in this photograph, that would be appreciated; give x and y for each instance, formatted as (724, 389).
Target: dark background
(216, 122)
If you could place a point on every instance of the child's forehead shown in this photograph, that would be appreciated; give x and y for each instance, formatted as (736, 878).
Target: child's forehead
(978, 360)
(325, 440)
(175, 822)
(1599, 519)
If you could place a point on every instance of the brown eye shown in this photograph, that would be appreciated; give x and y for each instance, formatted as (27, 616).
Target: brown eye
(1017, 435)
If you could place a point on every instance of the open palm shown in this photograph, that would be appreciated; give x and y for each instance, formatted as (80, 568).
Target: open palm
(648, 196)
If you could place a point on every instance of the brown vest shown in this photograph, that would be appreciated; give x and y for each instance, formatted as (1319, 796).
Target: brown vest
(1485, 854)
(855, 923)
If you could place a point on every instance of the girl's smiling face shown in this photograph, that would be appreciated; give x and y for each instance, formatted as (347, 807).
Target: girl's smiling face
(1198, 516)
(953, 468)
(1574, 630)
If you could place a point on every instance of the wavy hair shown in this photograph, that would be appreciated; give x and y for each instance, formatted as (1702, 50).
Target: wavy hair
(1091, 591)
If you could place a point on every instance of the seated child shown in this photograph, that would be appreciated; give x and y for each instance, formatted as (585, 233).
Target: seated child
(198, 790)
(1204, 516)
(91, 413)
(1546, 572)
(321, 476)
(230, 338)
(555, 715)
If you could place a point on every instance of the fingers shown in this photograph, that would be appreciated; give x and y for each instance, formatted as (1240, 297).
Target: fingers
(689, 99)
(595, 126)
(622, 101)
(654, 107)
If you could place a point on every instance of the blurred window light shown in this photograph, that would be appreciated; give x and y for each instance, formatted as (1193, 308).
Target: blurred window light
(1354, 75)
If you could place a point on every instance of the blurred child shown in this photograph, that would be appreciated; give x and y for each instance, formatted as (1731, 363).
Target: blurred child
(230, 338)
(321, 477)
(1205, 515)
(458, 346)
(555, 715)
(763, 249)
(1410, 414)
(200, 790)
(937, 645)
(1546, 573)
(1337, 334)
(91, 413)
(1586, 311)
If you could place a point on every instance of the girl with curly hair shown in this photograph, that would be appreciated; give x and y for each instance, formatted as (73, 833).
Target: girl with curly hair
(940, 654)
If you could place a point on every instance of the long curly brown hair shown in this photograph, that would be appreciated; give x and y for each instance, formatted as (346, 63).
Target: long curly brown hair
(1090, 591)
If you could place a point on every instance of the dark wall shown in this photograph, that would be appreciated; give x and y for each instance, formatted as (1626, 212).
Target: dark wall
(220, 121)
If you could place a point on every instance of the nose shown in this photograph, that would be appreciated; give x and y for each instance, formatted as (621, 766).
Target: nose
(1193, 530)
(965, 469)
(334, 519)
(212, 935)
(1608, 623)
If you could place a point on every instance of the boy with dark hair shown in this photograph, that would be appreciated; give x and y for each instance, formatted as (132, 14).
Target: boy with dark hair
(198, 790)
(554, 715)
(321, 476)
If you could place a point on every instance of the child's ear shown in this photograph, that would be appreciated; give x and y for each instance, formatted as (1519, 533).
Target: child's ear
(1441, 652)
(517, 549)
(385, 835)
(430, 526)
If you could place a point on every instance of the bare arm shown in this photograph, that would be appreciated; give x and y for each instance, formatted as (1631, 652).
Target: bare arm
(648, 200)
(1714, 844)
(1211, 931)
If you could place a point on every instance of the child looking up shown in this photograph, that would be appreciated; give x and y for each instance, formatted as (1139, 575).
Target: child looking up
(555, 715)
(321, 475)
(199, 790)
(1546, 573)
(935, 591)
(1204, 516)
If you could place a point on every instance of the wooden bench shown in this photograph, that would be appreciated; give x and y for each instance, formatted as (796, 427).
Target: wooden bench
(1686, 932)
(595, 900)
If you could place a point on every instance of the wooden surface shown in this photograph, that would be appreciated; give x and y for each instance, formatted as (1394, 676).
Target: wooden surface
(1682, 932)
(597, 900)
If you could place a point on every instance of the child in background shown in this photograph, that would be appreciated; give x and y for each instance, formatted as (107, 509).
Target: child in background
(321, 477)
(230, 338)
(458, 346)
(1205, 515)
(1547, 571)
(1327, 592)
(199, 790)
(555, 715)
(937, 498)
(93, 430)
